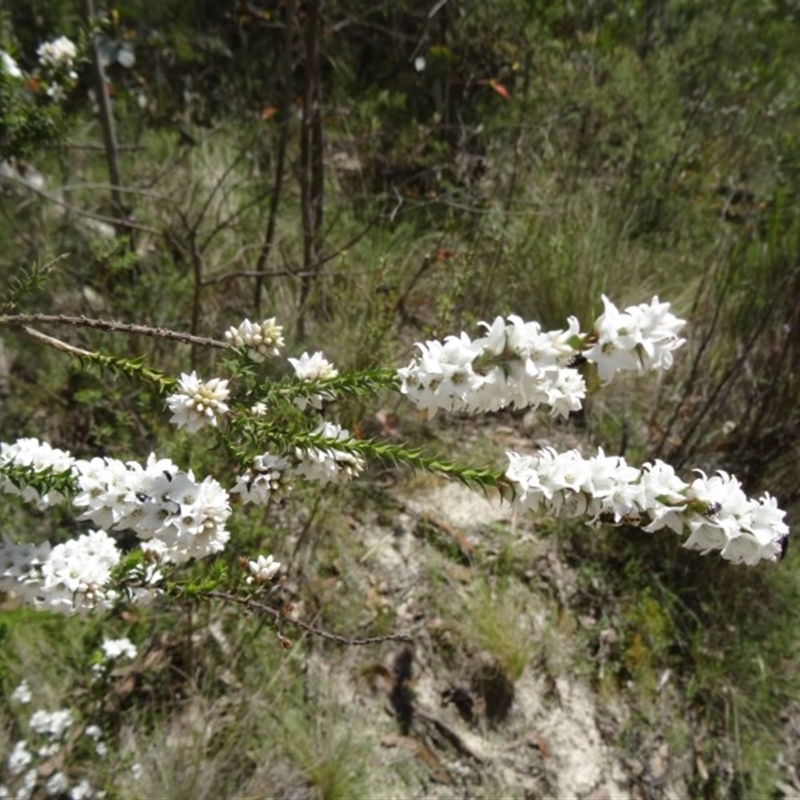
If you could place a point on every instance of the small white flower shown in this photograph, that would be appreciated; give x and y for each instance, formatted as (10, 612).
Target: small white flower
(641, 338)
(53, 724)
(56, 92)
(39, 456)
(25, 789)
(665, 497)
(19, 759)
(259, 340)
(22, 694)
(194, 525)
(81, 791)
(265, 479)
(442, 376)
(313, 368)
(198, 403)
(263, 569)
(56, 784)
(9, 65)
(58, 54)
(328, 464)
(93, 732)
(118, 648)
(705, 536)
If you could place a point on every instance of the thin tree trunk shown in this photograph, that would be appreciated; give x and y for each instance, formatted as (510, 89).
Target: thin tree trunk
(284, 121)
(107, 124)
(311, 161)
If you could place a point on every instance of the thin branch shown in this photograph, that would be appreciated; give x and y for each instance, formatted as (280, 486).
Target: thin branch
(213, 193)
(105, 187)
(114, 221)
(50, 341)
(223, 224)
(313, 270)
(282, 273)
(95, 146)
(14, 320)
(276, 614)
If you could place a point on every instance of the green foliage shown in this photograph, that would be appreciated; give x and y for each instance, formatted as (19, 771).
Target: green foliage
(26, 285)
(26, 125)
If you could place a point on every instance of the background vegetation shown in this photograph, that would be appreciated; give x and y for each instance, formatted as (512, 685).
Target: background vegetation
(374, 174)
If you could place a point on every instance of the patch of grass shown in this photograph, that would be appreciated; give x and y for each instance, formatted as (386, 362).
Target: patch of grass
(495, 623)
(327, 754)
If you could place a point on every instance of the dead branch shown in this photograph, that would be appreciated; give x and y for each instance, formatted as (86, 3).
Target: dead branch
(21, 320)
(276, 614)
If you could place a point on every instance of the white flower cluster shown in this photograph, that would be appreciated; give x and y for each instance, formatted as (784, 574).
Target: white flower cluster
(71, 576)
(313, 368)
(258, 340)
(20, 567)
(58, 54)
(271, 475)
(57, 59)
(114, 649)
(518, 364)
(49, 730)
(514, 364)
(330, 463)
(52, 724)
(22, 694)
(175, 516)
(26, 765)
(715, 512)
(640, 338)
(76, 573)
(265, 480)
(198, 403)
(39, 456)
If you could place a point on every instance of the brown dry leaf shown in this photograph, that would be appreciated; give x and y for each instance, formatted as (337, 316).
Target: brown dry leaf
(154, 659)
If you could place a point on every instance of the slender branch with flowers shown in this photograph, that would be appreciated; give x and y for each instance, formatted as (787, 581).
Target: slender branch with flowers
(278, 434)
